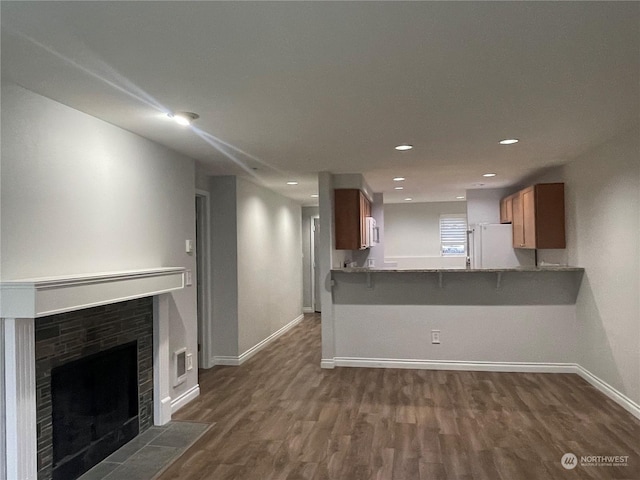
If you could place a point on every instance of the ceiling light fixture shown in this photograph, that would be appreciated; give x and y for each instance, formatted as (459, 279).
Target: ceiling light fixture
(398, 179)
(184, 118)
(292, 183)
(398, 188)
(489, 175)
(408, 199)
(314, 195)
(461, 197)
(404, 147)
(509, 141)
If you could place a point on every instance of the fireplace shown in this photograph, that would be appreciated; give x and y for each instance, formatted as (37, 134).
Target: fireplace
(94, 403)
(94, 378)
(72, 318)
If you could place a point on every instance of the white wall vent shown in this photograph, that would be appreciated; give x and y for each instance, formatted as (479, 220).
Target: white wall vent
(180, 362)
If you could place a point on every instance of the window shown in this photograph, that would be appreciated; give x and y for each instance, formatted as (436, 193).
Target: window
(453, 235)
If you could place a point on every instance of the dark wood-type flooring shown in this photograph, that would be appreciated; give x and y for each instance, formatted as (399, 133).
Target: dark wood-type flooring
(280, 416)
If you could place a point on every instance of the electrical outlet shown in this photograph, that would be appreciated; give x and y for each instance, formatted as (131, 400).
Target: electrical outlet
(190, 361)
(188, 278)
(435, 336)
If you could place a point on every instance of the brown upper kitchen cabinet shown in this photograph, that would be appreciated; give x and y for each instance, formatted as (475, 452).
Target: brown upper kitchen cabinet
(506, 209)
(538, 216)
(351, 209)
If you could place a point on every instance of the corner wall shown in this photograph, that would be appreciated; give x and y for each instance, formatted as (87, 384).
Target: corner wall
(603, 201)
(483, 204)
(223, 268)
(79, 195)
(256, 267)
(269, 263)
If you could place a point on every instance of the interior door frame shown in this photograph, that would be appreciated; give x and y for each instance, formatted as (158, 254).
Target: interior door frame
(314, 266)
(203, 277)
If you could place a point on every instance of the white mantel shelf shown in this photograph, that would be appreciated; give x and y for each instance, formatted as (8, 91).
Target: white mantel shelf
(23, 301)
(39, 297)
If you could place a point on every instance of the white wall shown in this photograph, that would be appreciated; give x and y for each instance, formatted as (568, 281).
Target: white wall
(603, 201)
(269, 262)
(256, 265)
(79, 195)
(483, 204)
(412, 234)
(224, 268)
(3, 432)
(508, 334)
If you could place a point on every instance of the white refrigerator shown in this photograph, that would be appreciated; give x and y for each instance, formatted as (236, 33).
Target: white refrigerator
(491, 246)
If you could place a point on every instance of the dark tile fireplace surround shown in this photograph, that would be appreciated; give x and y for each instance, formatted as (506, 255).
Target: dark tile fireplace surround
(89, 334)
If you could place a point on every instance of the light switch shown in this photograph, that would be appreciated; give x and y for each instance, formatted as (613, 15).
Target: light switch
(188, 246)
(188, 278)
(189, 361)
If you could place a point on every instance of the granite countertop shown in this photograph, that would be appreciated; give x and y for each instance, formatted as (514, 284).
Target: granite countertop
(545, 268)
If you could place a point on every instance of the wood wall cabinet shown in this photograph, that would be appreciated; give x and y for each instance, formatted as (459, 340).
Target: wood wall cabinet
(351, 209)
(538, 216)
(506, 209)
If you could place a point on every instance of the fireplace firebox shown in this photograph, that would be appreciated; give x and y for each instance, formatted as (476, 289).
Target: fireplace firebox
(94, 409)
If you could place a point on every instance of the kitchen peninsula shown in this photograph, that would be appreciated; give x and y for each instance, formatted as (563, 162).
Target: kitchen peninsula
(511, 319)
(548, 285)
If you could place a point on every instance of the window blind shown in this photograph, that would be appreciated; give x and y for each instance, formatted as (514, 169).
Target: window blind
(453, 234)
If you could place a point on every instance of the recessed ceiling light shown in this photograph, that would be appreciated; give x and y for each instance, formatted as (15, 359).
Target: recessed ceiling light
(184, 118)
(292, 183)
(408, 199)
(398, 179)
(404, 147)
(509, 141)
(461, 197)
(489, 175)
(398, 188)
(314, 195)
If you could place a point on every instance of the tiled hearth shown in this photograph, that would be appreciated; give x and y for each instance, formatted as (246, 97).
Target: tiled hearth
(37, 309)
(144, 457)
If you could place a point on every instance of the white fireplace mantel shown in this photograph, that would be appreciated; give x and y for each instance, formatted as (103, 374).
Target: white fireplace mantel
(22, 301)
(39, 297)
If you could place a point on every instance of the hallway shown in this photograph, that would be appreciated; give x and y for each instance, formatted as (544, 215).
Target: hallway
(280, 416)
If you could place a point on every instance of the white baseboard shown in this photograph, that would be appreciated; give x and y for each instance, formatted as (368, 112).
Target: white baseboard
(308, 310)
(530, 367)
(186, 397)
(235, 361)
(226, 360)
(162, 411)
(454, 365)
(328, 363)
(618, 397)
